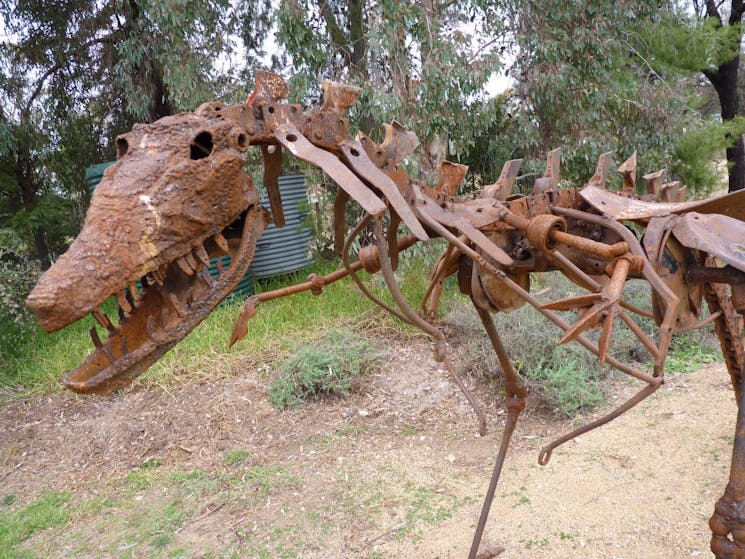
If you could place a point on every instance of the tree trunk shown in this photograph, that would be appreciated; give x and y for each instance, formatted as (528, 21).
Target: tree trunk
(24, 175)
(724, 80)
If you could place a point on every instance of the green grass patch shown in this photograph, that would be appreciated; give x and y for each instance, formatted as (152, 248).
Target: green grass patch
(40, 360)
(324, 367)
(48, 510)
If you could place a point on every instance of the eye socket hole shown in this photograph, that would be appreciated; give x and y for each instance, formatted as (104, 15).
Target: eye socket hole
(242, 141)
(122, 147)
(201, 146)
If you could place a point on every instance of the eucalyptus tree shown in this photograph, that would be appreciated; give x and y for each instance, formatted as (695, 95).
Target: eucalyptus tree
(423, 62)
(74, 75)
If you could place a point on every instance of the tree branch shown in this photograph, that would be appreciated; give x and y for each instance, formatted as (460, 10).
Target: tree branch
(736, 13)
(337, 35)
(712, 12)
(37, 91)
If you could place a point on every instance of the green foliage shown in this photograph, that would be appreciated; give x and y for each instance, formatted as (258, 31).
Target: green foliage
(592, 77)
(414, 62)
(698, 151)
(325, 367)
(688, 353)
(18, 274)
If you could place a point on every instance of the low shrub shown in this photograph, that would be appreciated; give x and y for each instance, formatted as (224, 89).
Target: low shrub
(326, 366)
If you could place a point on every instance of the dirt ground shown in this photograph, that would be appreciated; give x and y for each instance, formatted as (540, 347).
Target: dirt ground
(395, 471)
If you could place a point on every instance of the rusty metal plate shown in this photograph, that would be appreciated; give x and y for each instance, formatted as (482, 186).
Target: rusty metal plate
(623, 208)
(715, 234)
(301, 148)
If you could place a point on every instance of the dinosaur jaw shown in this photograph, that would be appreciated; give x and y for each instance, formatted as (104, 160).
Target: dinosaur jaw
(171, 304)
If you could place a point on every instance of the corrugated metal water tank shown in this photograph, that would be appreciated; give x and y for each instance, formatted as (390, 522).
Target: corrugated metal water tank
(285, 250)
(94, 174)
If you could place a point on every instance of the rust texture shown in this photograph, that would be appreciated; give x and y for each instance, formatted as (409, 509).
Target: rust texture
(178, 195)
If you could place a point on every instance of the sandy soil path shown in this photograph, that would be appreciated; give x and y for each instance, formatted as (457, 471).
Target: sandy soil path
(396, 471)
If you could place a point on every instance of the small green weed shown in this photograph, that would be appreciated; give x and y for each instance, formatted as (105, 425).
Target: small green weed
(9, 499)
(352, 431)
(151, 463)
(236, 457)
(324, 367)
(689, 354)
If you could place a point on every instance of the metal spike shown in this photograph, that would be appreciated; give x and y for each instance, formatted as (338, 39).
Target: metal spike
(121, 299)
(178, 306)
(654, 182)
(501, 189)
(451, 176)
(133, 294)
(103, 320)
(97, 342)
(95, 337)
(202, 255)
(398, 142)
(601, 170)
(553, 167)
(185, 266)
(207, 277)
(221, 242)
(669, 191)
(628, 170)
(192, 261)
(339, 96)
(220, 265)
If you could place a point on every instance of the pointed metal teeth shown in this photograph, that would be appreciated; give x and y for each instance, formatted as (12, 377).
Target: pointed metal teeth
(133, 294)
(124, 304)
(628, 170)
(654, 182)
(156, 276)
(221, 242)
(95, 338)
(601, 170)
(185, 267)
(160, 275)
(202, 255)
(97, 342)
(501, 189)
(103, 320)
(207, 277)
(220, 265)
(451, 176)
(189, 257)
(178, 306)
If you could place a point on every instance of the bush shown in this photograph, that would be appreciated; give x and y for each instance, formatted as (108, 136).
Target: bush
(324, 367)
(18, 275)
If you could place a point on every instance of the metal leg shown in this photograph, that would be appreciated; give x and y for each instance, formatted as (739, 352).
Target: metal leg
(516, 392)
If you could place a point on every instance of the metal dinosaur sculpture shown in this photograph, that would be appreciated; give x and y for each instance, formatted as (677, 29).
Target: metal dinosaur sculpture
(178, 195)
